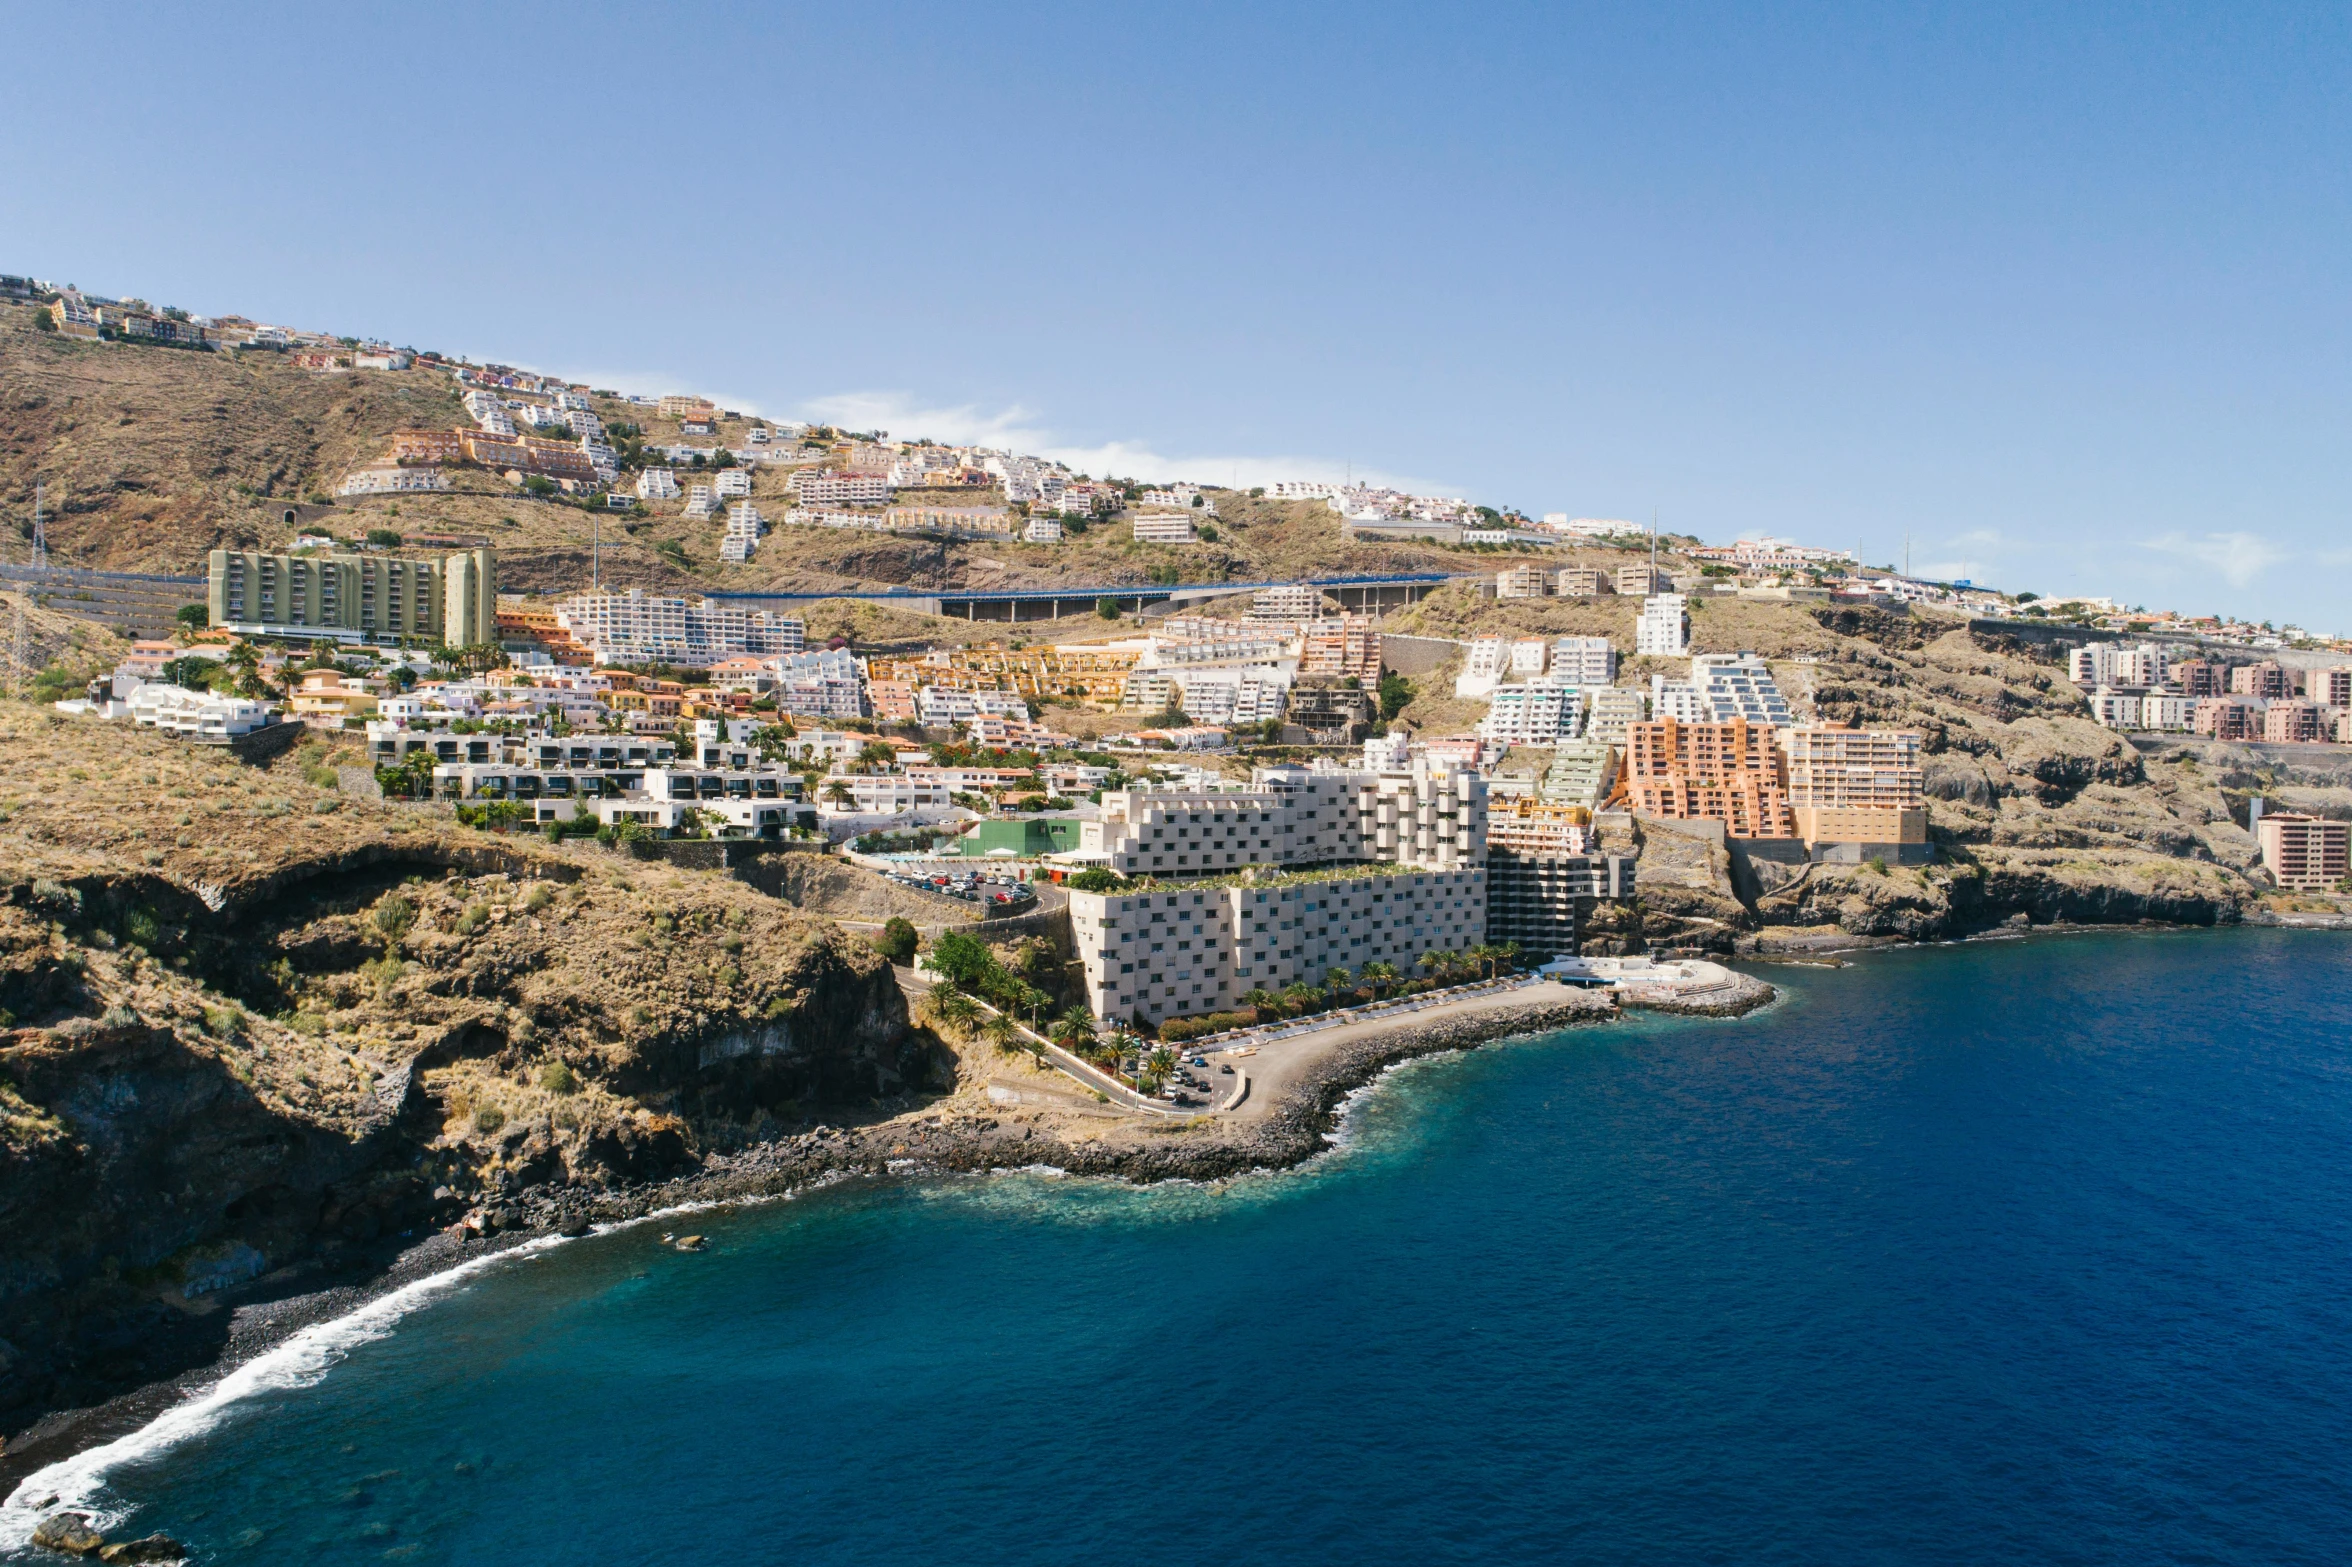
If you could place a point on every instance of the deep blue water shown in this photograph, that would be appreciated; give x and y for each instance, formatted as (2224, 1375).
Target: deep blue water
(2033, 1252)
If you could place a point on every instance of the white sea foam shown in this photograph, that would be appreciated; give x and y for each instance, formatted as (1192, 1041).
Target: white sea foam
(79, 1482)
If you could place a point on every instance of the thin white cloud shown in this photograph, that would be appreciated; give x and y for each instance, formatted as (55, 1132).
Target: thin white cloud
(1020, 429)
(2238, 557)
(1949, 570)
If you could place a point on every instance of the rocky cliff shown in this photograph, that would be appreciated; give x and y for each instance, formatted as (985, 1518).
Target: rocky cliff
(298, 1027)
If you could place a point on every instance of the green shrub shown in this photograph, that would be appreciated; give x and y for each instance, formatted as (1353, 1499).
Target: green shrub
(489, 1118)
(897, 941)
(1098, 880)
(1176, 1030)
(394, 916)
(557, 1078)
(473, 919)
(141, 928)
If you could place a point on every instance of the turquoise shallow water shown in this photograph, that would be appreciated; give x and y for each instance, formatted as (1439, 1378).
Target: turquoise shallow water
(2011, 1252)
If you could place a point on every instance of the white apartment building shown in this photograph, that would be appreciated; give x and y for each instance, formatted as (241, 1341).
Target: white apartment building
(1738, 685)
(1532, 715)
(641, 628)
(745, 525)
(1289, 816)
(1233, 694)
(195, 715)
(1485, 666)
(840, 487)
(488, 410)
(1612, 710)
(940, 705)
(1163, 528)
(2113, 664)
(1286, 601)
(701, 501)
(889, 794)
(1041, 530)
(1181, 497)
(1182, 951)
(2116, 709)
(1677, 699)
(1584, 661)
(2166, 712)
(820, 683)
(657, 484)
(733, 484)
(1663, 631)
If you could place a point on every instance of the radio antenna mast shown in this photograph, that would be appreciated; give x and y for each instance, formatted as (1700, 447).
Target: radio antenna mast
(40, 532)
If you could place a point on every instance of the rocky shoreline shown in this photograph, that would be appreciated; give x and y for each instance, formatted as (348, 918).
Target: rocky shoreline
(1293, 1132)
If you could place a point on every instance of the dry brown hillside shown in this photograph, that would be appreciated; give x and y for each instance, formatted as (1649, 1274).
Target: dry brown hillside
(153, 456)
(246, 1023)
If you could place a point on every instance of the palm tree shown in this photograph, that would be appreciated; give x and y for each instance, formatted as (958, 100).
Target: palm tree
(1335, 980)
(1002, 1032)
(1434, 961)
(1298, 995)
(1074, 1031)
(954, 1009)
(1507, 956)
(1379, 974)
(1108, 1053)
(1156, 1068)
(1258, 999)
(839, 793)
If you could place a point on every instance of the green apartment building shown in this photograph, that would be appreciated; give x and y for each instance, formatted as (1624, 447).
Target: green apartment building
(353, 596)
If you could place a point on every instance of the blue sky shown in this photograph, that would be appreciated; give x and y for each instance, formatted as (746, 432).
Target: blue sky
(2059, 296)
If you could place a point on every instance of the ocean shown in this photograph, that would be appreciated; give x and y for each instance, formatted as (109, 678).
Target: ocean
(2014, 1251)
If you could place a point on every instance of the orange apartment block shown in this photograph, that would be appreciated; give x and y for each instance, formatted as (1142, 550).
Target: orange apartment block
(1729, 773)
(428, 446)
(1851, 785)
(2305, 853)
(555, 459)
(1347, 646)
(1097, 674)
(893, 701)
(1536, 829)
(518, 623)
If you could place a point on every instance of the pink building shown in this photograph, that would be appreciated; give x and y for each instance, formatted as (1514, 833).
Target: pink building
(2305, 853)
(2228, 718)
(2297, 721)
(2265, 682)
